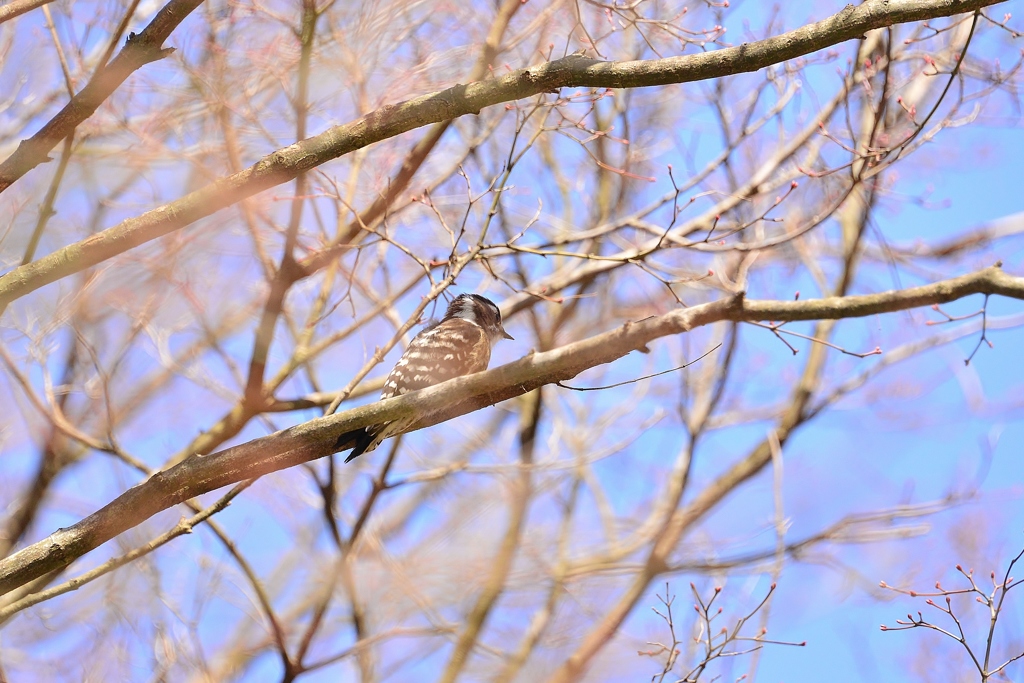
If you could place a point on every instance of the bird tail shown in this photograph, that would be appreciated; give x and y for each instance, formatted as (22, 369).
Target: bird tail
(365, 441)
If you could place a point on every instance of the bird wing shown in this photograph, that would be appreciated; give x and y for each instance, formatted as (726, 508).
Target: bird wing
(454, 348)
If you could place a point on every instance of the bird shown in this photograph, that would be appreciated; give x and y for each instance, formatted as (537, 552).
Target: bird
(460, 344)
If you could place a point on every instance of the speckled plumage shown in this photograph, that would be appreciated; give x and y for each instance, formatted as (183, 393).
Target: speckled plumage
(452, 348)
(458, 345)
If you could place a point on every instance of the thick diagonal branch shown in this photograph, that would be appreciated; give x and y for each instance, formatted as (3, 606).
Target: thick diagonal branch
(318, 438)
(391, 120)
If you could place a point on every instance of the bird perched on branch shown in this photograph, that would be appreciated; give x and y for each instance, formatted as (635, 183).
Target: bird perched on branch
(458, 345)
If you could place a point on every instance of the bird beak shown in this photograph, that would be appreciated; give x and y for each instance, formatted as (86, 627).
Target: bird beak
(506, 335)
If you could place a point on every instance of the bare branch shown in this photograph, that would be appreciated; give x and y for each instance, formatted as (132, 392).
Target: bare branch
(287, 163)
(141, 49)
(323, 436)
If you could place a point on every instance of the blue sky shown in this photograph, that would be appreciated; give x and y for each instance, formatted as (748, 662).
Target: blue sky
(927, 428)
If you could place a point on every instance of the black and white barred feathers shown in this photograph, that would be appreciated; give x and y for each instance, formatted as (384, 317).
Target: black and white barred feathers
(458, 345)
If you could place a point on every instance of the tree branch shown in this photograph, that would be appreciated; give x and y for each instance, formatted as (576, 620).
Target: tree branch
(140, 49)
(320, 437)
(389, 121)
(16, 8)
